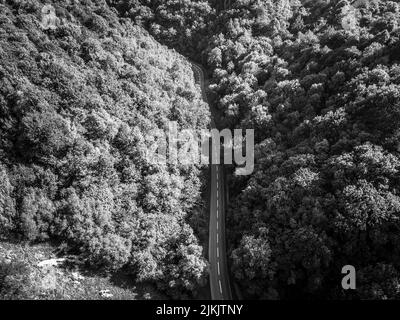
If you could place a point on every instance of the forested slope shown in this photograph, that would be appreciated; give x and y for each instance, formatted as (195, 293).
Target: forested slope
(320, 85)
(77, 104)
(319, 81)
(184, 25)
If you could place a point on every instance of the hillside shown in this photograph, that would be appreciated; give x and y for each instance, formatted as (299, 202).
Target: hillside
(80, 92)
(318, 81)
(83, 86)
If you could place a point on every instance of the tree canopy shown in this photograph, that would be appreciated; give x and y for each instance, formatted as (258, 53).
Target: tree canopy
(319, 83)
(78, 103)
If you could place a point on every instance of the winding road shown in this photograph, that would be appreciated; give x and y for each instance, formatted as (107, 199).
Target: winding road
(219, 276)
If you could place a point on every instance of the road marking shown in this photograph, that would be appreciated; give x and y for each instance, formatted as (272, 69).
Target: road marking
(200, 75)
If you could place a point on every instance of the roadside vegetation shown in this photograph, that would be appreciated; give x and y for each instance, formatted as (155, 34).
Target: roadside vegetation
(79, 95)
(319, 83)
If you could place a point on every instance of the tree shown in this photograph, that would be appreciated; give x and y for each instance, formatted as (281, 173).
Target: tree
(7, 202)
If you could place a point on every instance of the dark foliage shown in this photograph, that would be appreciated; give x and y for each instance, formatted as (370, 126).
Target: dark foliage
(319, 83)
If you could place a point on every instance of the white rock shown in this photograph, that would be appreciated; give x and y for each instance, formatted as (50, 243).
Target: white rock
(77, 276)
(106, 294)
(51, 262)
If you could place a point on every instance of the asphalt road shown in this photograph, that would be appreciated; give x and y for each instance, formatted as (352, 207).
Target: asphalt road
(219, 276)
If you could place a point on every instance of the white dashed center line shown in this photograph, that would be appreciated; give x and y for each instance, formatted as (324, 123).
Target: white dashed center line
(218, 264)
(198, 74)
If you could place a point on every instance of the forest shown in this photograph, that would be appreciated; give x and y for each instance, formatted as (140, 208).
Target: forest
(77, 103)
(318, 81)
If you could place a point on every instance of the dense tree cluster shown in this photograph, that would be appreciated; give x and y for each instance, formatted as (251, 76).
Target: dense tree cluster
(78, 102)
(180, 24)
(319, 81)
(320, 85)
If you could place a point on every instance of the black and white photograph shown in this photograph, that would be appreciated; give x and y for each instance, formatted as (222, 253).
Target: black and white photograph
(199, 151)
